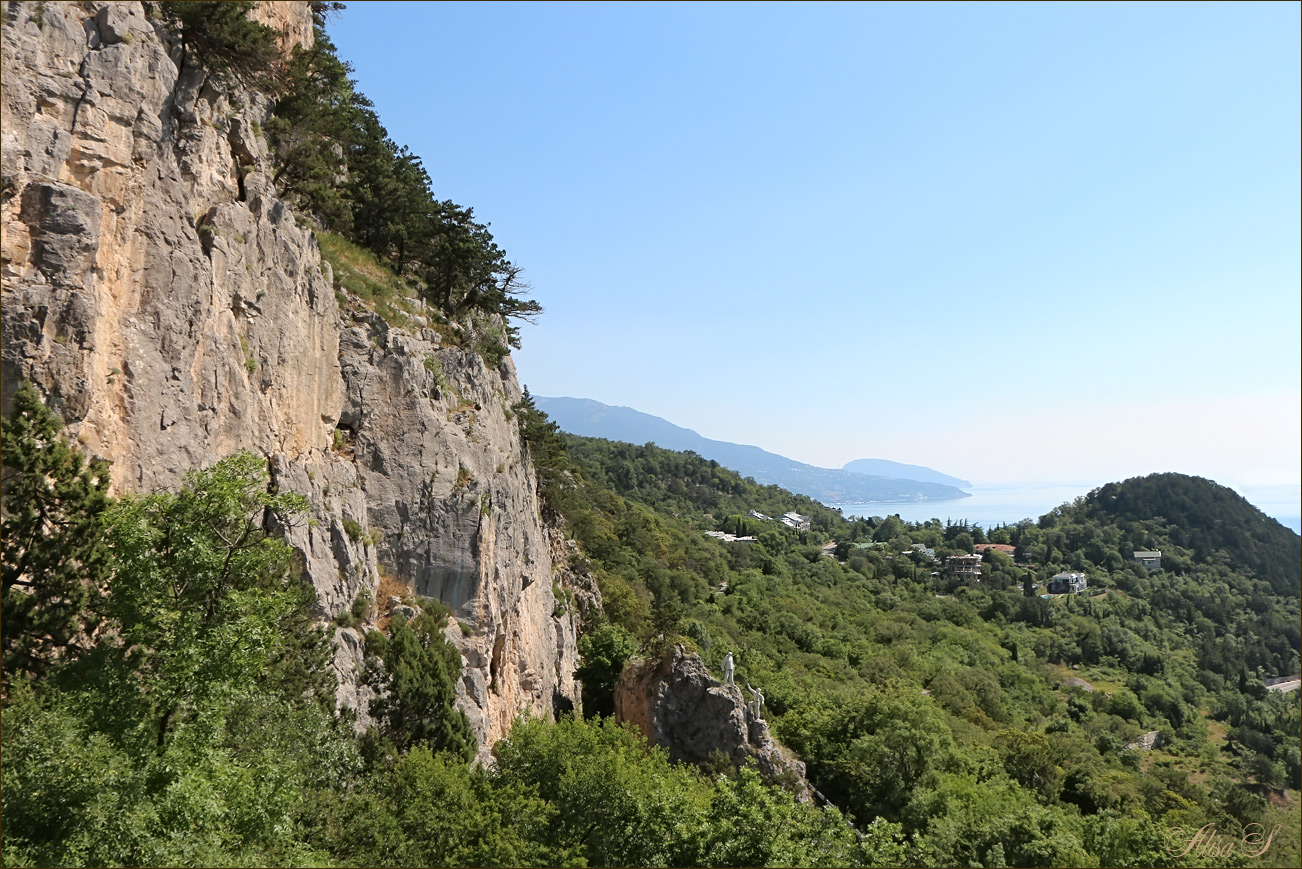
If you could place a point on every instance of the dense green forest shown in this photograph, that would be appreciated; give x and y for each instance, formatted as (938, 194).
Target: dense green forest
(988, 720)
(945, 705)
(149, 719)
(937, 718)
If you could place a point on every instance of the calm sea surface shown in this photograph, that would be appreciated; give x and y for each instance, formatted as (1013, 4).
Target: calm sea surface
(1008, 504)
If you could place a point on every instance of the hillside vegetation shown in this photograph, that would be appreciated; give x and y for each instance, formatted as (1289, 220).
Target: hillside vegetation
(951, 723)
(168, 697)
(988, 720)
(1214, 522)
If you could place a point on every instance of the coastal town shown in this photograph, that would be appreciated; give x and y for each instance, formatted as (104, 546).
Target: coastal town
(964, 567)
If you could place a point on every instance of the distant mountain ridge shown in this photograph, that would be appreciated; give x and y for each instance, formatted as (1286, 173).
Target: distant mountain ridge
(588, 418)
(887, 468)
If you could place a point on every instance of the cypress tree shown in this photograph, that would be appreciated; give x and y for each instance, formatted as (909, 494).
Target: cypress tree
(416, 675)
(55, 559)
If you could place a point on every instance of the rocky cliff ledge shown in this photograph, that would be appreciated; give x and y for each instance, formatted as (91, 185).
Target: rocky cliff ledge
(677, 704)
(173, 309)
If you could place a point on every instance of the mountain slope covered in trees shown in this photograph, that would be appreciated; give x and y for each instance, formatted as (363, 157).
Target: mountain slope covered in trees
(1213, 521)
(989, 720)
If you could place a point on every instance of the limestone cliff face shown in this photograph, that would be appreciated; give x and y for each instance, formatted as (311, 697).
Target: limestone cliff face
(155, 288)
(452, 497)
(173, 309)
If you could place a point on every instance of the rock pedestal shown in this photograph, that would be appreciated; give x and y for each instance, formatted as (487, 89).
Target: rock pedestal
(677, 704)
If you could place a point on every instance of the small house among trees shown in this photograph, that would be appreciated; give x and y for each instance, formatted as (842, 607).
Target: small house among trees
(795, 520)
(1150, 560)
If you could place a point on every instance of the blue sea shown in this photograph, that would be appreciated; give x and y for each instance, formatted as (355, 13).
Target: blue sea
(1008, 504)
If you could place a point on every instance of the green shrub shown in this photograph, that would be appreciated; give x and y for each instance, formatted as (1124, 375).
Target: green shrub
(440, 380)
(361, 604)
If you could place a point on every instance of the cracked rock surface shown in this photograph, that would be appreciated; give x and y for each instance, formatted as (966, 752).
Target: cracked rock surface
(677, 704)
(172, 309)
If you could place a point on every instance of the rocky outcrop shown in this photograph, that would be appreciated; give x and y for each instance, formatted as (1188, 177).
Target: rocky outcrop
(451, 497)
(155, 289)
(677, 704)
(173, 309)
(573, 575)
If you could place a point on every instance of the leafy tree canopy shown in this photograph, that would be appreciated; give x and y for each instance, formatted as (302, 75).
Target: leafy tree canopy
(416, 669)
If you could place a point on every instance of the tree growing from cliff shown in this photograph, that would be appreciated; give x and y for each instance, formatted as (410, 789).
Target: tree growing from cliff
(314, 129)
(415, 670)
(542, 437)
(223, 37)
(55, 560)
(336, 160)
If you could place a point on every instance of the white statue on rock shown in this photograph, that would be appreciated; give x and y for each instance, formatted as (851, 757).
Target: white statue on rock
(729, 670)
(756, 703)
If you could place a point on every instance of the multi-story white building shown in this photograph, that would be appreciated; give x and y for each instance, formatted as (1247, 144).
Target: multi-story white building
(795, 520)
(964, 566)
(1068, 582)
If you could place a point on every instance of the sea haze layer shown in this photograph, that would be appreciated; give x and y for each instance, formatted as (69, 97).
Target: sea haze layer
(993, 505)
(988, 506)
(588, 418)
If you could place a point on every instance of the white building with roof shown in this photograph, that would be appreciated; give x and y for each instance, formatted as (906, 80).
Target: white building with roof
(795, 520)
(1068, 582)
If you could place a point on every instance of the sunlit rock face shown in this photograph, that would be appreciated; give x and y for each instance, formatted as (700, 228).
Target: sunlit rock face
(172, 308)
(677, 704)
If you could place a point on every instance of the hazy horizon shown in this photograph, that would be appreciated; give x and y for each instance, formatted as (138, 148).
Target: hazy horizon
(1084, 480)
(1279, 501)
(1032, 241)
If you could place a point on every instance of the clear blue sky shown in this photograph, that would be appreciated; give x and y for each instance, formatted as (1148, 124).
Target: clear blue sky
(1011, 242)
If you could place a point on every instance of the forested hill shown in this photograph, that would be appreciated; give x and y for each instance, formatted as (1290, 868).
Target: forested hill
(1213, 521)
(981, 721)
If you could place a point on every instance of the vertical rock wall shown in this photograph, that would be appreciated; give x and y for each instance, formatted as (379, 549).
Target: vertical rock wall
(450, 491)
(154, 286)
(173, 309)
